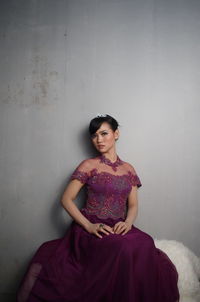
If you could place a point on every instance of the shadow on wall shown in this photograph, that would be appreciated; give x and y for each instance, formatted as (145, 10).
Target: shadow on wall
(86, 144)
(58, 216)
(60, 219)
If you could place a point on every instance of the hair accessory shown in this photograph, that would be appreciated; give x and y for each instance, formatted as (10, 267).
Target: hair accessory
(100, 115)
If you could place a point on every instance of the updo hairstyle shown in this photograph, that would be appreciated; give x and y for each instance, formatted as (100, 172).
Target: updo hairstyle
(96, 123)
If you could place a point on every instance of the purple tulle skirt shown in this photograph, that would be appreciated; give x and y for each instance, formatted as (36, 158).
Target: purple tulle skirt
(80, 267)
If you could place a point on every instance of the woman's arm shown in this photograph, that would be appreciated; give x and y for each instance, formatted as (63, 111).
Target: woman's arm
(68, 204)
(122, 227)
(132, 206)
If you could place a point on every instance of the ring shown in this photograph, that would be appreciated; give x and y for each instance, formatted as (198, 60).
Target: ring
(101, 225)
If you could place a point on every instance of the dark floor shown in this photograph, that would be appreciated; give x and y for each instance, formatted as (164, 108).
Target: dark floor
(7, 298)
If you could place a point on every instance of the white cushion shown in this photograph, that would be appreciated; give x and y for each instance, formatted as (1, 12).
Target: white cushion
(188, 268)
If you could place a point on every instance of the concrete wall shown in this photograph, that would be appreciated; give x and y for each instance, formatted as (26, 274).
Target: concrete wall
(62, 62)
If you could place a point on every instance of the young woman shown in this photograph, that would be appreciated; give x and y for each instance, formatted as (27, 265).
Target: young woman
(103, 257)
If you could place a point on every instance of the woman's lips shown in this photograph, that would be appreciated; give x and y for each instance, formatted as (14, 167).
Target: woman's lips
(101, 146)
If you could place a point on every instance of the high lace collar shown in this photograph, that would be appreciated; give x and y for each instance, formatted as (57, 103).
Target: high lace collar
(107, 161)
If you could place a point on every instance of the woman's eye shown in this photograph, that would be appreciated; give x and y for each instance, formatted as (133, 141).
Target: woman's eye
(104, 133)
(93, 136)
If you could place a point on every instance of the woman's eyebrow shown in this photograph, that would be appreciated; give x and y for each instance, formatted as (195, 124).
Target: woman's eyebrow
(107, 130)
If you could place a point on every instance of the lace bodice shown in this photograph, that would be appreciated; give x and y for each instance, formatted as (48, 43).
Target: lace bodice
(107, 192)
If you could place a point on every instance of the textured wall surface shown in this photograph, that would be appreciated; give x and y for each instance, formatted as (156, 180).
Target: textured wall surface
(62, 62)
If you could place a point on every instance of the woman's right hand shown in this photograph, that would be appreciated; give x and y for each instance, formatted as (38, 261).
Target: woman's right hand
(95, 228)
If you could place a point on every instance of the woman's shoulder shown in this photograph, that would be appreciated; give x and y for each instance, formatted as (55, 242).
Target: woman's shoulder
(133, 176)
(129, 167)
(88, 163)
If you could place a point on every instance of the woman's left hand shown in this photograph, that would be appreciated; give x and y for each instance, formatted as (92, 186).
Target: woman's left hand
(122, 227)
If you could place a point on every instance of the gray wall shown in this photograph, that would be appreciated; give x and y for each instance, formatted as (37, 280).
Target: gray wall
(62, 62)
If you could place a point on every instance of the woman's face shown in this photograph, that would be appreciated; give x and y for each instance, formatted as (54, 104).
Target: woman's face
(104, 138)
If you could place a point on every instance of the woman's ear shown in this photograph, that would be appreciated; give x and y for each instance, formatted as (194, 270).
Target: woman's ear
(116, 134)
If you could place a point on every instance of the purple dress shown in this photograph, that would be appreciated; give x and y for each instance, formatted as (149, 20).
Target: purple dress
(81, 267)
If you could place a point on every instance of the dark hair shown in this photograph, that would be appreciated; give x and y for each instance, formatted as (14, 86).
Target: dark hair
(96, 123)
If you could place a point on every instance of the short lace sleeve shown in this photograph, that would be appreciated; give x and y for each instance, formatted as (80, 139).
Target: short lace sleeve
(81, 173)
(134, 179)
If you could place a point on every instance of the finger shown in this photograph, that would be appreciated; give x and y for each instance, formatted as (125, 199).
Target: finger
(98, 235)
(122, 228)
(127, 230)
(119, 229)
(124, 232)
(109, 229)
(106, 228)
(119, 225)
(104, 231)
(116, 226)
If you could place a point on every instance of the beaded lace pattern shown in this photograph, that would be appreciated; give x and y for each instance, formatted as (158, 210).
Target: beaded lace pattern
(114, 165)
(107, 193)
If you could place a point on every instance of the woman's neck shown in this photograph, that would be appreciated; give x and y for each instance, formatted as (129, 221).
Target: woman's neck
(112, 156)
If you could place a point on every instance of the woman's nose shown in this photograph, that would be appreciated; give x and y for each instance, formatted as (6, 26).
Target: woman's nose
(98, 138)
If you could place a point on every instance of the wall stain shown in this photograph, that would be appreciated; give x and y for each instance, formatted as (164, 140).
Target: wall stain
(36, 88)
(42, 86)
(53, 73)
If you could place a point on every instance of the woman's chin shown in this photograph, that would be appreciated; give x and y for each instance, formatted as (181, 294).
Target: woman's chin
(102, 151)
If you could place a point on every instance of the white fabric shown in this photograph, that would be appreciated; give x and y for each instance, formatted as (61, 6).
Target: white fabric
(188, 268)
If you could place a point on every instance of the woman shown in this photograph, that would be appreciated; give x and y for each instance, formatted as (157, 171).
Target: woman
(103, 256)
